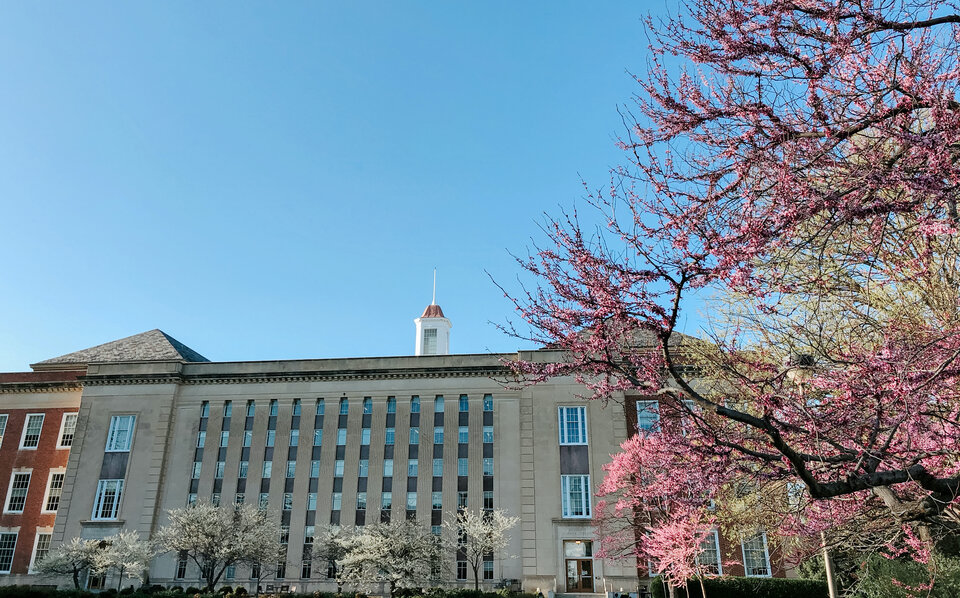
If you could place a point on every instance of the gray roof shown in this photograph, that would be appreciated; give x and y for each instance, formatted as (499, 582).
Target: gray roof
(153, 345)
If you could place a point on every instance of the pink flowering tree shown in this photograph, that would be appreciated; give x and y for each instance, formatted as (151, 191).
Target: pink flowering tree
(795, 161)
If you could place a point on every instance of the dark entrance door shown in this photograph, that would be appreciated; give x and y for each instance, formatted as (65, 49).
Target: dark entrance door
(580, 575)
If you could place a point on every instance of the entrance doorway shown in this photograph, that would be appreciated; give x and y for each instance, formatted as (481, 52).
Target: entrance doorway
(578, 558)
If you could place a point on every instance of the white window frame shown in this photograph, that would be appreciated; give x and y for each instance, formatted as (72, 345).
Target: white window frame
(13, 476)
(98, 497)
(13, 549)
(41, 531)
(585, 493)
(766, 555)
(112, 445)
(716, 547)
(46, 495)
(26, 426)
(63, 426)
(582, 421)
(642, 405)
(3, 426)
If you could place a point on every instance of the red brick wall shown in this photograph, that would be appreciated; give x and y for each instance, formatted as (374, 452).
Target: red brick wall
(41, 460)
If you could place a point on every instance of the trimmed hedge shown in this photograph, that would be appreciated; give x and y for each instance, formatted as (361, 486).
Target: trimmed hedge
(747, 587)
(160, 592)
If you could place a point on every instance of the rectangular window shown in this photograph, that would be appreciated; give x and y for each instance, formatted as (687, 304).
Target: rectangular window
(201, 438)
(364, 468)
(342, 437)
(388, 468)
(317, 437)
(488, 499)
(267, 470)
(648, 415)
(344, 407)
(215, 499)
(314, 469)
(242, 471)
(312, 501)
(3, 426)
(709, 557)
(412, 467)
(181, 566)
(263, 501)
(251, 408)
(389, 436)
(488, 466)
(291, 469)
(296, 406)
(40, 549)
(462, 499)
(8, 542)
(205, 409)
(464, 403)
(756, 559)
(220, 467)
(461, 570)
(436, 530)
(191, 499)
(271, 437)
(335, 501)
(230, 572)
(224, 438)
(294, 437)
(415, 404)
(247, 437)
(438, 435)
(321, 406)
(31, 431)
(386, 500)
(391, 404)
(338, 468)
(227, 408)
(488, 402)
(436, 500)
(429, 341)
(306, 566)
(463, 435)
(195, 475)
(120, 435)
(463, 467)
(575, 496)
(68, 427)
(365, 437)
(573, 425)
(411, 501)
(361, 501)
(488, 434)
(437, 467)
(287, 501)
(367, 406)
(54, 491)
(238, 498)
(273, 407)
(17, 495)
(414, 435)
(488, 570)
(107, 502)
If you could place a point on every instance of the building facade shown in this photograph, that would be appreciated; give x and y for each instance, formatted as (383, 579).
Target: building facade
(343, 442)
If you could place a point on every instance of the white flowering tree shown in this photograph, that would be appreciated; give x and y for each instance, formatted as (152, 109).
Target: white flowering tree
(479, 534)
(399, 554)
(217, 537)
(329, 547)
(126, 553)
(73, 558)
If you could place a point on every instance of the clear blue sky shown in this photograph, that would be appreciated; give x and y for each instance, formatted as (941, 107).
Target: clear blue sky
(278, 180)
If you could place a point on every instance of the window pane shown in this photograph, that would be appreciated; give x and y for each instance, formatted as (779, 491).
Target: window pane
(487, 434)
(341, 436)
(18, 493)
(412, 467)
(54, 491)
(414, 435)
(463, 435)
(31, 432)
(648, 415)
(121, 433)
(69, 428)
(464, 403)
(438, 467)
(389, 434)
(488, 402)
(367, 405)
(415, 404)
(388, 468)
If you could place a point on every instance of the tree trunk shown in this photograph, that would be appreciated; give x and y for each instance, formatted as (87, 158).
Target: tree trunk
(76, 578)
(476, 576)
(703, 588)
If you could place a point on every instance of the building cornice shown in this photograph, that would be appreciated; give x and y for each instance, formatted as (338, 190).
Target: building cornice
(25, 387)
(485, 371)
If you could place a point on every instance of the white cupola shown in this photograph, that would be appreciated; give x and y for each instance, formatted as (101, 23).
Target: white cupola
(433, 328)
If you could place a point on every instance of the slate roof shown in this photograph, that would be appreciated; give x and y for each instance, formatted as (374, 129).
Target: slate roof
(153, 345)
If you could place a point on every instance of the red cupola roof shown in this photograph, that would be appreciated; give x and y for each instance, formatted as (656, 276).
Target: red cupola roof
(433, 311)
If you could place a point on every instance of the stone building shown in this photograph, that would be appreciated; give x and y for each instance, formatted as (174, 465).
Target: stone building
(333, 441)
